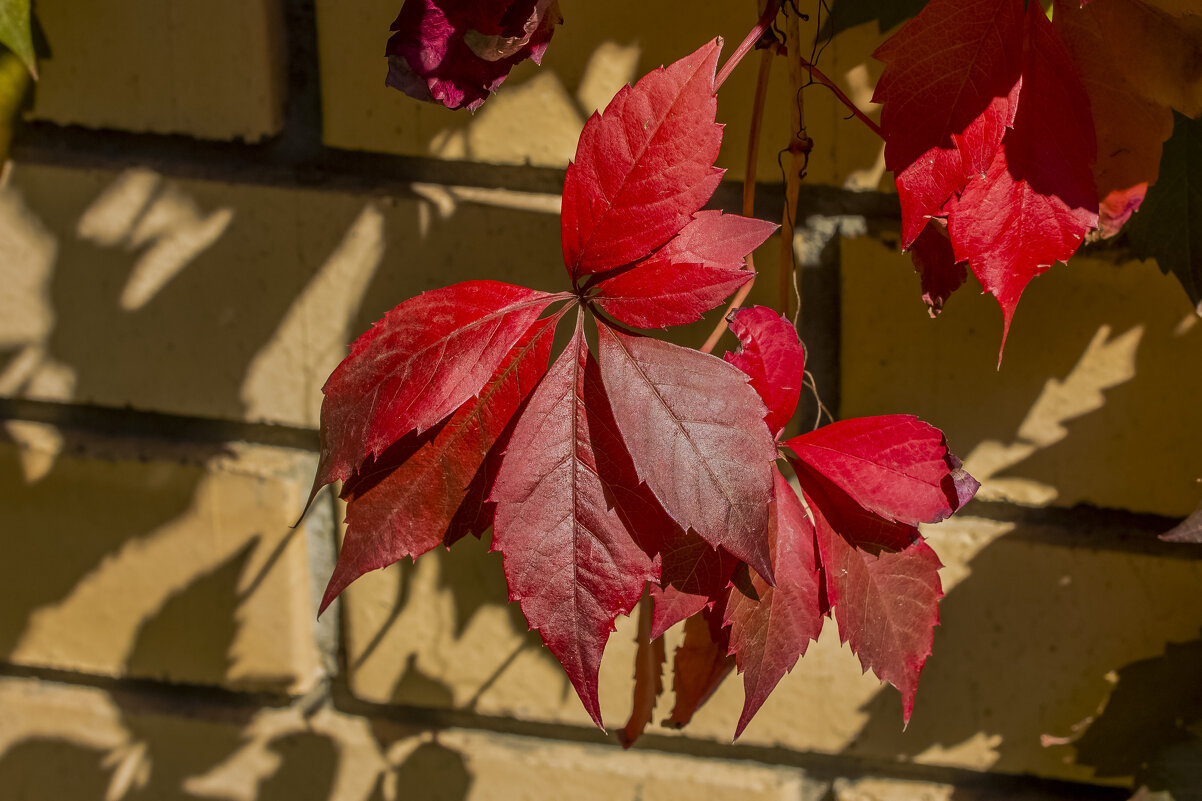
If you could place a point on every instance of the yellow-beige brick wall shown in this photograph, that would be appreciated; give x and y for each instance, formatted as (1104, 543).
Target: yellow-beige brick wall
(206, 205)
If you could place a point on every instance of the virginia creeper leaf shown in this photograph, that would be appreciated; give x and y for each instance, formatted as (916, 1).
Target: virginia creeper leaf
(657, 294)
(948, 90)
(406, 502)
(769, 635)
(773, 357)
(885, 602)
(1169, 228)
(936, 265)
(694, 428)
(1036, 201)
(693, 575)
(648, 679)
(1130, 127)
(717, 240)
(457, 52)
(895, 466)
(418, 364)
(643, 166)
(702, 661)
(568, 558)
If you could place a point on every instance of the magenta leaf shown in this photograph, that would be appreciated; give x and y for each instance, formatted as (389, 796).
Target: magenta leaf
(895, 466)
(569, 560)
(643, 166)
(693, 575)
(773, 357)
(457, 52)
(418, 364)
(694, 428)
(769, 635)
(407, 502)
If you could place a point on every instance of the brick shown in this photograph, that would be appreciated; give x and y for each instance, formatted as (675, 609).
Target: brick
(1030, 613)
(228, 301)
(59, 741)
(131, 558)
(1091, 404)
(158, 66)
(537, 115)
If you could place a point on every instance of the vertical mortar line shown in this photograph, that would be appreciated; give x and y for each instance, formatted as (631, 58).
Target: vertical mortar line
(321, 534)
(301, 139)
(817, 244)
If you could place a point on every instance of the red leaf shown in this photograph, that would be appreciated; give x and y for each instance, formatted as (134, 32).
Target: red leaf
(767, 636)
(885, 602)
(643, 166)
(568, 558)
(695, 430)
(1130, 127)
(457, 52)
(407, 502)
(773, 357)
(648, 677)
(657, 294)
(1037, 201)
(948, 90)
(693, 575)
(895, 466)
(418, 364)
(936, 265)
(717, 240)
(701, 663)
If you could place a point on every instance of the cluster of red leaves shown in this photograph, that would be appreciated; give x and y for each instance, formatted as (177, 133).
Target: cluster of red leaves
(1012, 137)
(457, 52)
(643, 463)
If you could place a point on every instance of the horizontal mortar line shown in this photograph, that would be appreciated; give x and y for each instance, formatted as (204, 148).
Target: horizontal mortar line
(816, 765)
(108, 420)
(1080, 526)
(1086, 526)
(202, 701)
(270, 163)
(212, 703)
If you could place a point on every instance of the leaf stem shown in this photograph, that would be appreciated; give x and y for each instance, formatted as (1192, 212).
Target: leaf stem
(748, 42)
(819, 77)
(749, 177)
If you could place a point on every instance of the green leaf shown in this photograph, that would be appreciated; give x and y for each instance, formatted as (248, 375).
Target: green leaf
(1168, 226)
(16, 34)
(888, 14)
(14, 85)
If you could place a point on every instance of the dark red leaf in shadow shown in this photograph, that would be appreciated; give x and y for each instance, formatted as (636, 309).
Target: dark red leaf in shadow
(694, 429)
(569, 559)
(767, 636)
(648, 677)
(948, 93)
(702, 661)
(457, 52)
(1036, 201)
(936, 265)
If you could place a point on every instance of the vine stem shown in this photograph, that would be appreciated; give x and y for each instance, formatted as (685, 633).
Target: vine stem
(745, 46)
(799, 148)
(753, 152)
